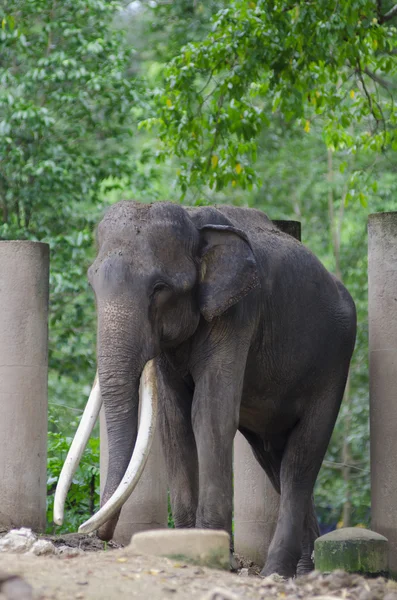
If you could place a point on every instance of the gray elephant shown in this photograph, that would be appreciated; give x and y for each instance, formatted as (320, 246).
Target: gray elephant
(249, 332)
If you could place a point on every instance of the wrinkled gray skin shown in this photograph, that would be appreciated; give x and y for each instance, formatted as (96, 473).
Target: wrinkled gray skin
(249, 332)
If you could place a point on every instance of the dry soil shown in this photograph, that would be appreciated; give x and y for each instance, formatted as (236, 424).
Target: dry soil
(116, 573)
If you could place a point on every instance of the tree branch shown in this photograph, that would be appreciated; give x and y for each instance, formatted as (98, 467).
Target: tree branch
(389, 15)
(331, 215)
(339, 465)
(376, 78)
(79, 410)
(378, 120)
(212, 148)
(346, 457)
(360, 76)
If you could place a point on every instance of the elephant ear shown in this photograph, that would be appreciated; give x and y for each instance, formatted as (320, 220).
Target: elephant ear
(228, 269)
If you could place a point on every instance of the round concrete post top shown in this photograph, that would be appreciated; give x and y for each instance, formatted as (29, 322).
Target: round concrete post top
(383, 220)
(351, 533)
(25, 243)
(380, 215)
(354, 550)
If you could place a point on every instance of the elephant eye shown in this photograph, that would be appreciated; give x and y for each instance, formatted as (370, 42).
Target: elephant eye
(160, 286)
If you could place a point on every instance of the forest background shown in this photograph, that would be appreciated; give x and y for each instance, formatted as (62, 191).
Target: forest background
(283, 106)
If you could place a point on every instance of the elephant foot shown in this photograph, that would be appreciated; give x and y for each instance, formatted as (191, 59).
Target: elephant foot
(278, 575)
(305, 566)
(281, 569)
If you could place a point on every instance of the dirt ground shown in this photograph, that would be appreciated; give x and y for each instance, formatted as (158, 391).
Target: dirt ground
(116, 573)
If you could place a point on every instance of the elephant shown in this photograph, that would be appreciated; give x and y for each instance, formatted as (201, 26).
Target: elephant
(241, 328)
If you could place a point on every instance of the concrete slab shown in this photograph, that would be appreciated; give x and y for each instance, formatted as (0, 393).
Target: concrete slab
(206, 547)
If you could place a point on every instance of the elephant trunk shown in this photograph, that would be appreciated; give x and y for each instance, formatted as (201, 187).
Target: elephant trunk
(117, 490)
(120, 392)
(120, 369)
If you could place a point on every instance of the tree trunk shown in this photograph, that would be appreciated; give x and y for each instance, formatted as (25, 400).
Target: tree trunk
(336, 229)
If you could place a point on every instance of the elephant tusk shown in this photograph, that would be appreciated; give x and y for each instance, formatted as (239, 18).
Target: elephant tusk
(84, 430)
(140, 455)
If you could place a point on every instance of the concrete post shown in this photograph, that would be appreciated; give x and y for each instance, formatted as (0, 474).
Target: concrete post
(256, 503)
(147, 507)
(24, 277)
(291, 227)
(382, 312)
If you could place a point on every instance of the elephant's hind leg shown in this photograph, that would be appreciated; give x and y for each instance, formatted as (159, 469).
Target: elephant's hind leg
(179, 445)
(302, 458)
(270, 461)
(310, 534)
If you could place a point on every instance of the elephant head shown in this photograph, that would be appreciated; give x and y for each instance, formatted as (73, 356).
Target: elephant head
(156, 274)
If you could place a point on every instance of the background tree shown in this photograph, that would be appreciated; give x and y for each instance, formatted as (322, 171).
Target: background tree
(308, 90)
(284, 107)
(327, 61)
(66, 99)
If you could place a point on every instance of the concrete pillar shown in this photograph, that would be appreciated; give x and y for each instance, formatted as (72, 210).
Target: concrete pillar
(291, 227)
(256, 503)
(382, 312)
(147, 507)
(24, 276)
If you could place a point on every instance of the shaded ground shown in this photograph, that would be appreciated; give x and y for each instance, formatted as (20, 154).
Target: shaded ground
(88, 543)
(115, 573)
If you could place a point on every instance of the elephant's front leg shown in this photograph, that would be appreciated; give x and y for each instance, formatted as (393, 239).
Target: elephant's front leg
(179, 445)
(215, 413)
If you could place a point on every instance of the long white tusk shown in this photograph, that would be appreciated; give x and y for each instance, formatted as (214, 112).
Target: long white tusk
(80, 440)
(140, 455)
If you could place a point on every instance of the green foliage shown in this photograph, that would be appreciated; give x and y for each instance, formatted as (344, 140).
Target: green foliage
(305, 181)
(170, 522)
(65, 108)
(169, 26)
(83, 497)
(66, 119)
(65, 123)
(305, 89)
(305, 61)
